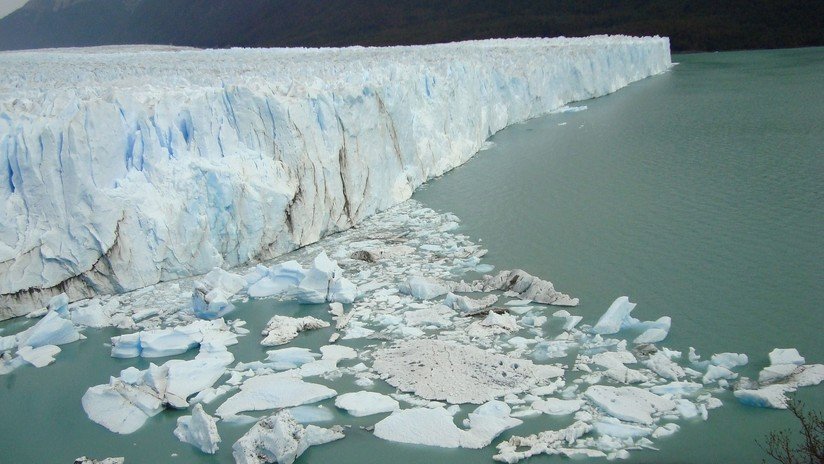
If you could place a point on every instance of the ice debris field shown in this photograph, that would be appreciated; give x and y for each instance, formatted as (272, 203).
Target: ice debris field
(144, 206)
(490, 350)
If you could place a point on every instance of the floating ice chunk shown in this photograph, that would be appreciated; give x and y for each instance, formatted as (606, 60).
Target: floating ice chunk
(199, 430)
(172, 341)
(8, 343)
(290, 358)
(335, 353)
(439, 370)
(86, 460)
(273, 391)
(630, 404)
(278, 279)
(423, 288)
(665, 430)
(653, 335)
(258, 272)
(528, 287)
(40, 356)
(120, 407)
(210, 298)
(366, 403)
(437, 315)
(715, 373)
(616, 317)
(786, 356)
(557, 407)
(615, 428)
(51, 330)
(548, 442)
(185, 378)
(771, 396)
(466, 304)
(729, 360)
(677, 388)
(435, 427)
(664, 366)
(283, 329)
(610, 359)
(280, 439)
(776, 372)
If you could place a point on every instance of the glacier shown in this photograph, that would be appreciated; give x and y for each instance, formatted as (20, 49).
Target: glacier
(121, 167)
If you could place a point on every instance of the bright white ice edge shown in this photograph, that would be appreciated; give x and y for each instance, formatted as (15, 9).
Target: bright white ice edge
(122, 167)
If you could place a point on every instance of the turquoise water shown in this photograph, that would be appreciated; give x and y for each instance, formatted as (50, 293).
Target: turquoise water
(699, 193)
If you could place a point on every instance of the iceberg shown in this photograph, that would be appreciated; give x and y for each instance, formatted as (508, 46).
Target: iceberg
(616, 318)
(199, 430)
(280, 439)
(283, 329)
(210, 298)
(53, 329)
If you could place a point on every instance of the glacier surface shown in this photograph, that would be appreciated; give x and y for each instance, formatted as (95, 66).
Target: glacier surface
(123, 167)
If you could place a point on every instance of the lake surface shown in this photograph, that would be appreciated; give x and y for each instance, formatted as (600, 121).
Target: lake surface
(698, 193)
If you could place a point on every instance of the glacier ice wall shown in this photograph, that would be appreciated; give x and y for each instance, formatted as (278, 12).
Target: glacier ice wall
(121, 167)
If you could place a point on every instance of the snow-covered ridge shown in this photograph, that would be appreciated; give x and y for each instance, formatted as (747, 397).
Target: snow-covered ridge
(119, 169)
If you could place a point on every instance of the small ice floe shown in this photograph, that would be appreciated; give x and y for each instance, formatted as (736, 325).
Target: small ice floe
(466, 304)
(436, 427)
(729, 360)
(283, 329)
(211, 294)
(557, 407)
(629, 404)
(549, 442)
(199, 430)
(273, 391)
(86, 460)
(40, 356)
(616, 318)
(365, 403)
(128, 401)
(528, 287)
(440, 370)
(323, 282)
(172, 341)
(280, 438)
(786, 373)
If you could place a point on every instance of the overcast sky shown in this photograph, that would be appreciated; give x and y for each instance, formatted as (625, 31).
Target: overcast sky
(8, 6)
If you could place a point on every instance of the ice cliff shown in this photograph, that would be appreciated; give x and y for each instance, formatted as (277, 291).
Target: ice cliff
(122, 167)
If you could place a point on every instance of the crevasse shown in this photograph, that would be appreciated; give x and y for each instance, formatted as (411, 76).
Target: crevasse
(126, 166)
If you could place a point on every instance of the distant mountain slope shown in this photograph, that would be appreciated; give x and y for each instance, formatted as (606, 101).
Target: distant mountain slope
(691, 24)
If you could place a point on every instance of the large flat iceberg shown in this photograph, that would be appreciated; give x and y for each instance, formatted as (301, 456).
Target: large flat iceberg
(127, 166)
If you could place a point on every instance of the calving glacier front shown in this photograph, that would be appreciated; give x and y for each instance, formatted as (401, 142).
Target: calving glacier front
(122, 167)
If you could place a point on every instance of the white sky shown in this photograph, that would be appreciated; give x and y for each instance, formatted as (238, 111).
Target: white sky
(9, 6)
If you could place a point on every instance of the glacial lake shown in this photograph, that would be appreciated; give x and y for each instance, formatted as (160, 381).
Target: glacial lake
(698, 193)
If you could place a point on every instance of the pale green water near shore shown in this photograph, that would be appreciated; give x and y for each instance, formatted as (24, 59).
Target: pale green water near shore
(698, 193)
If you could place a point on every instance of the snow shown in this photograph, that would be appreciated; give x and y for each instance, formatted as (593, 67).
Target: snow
(280, 439)
(180, 162)
(365, 403)
(199, 430)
